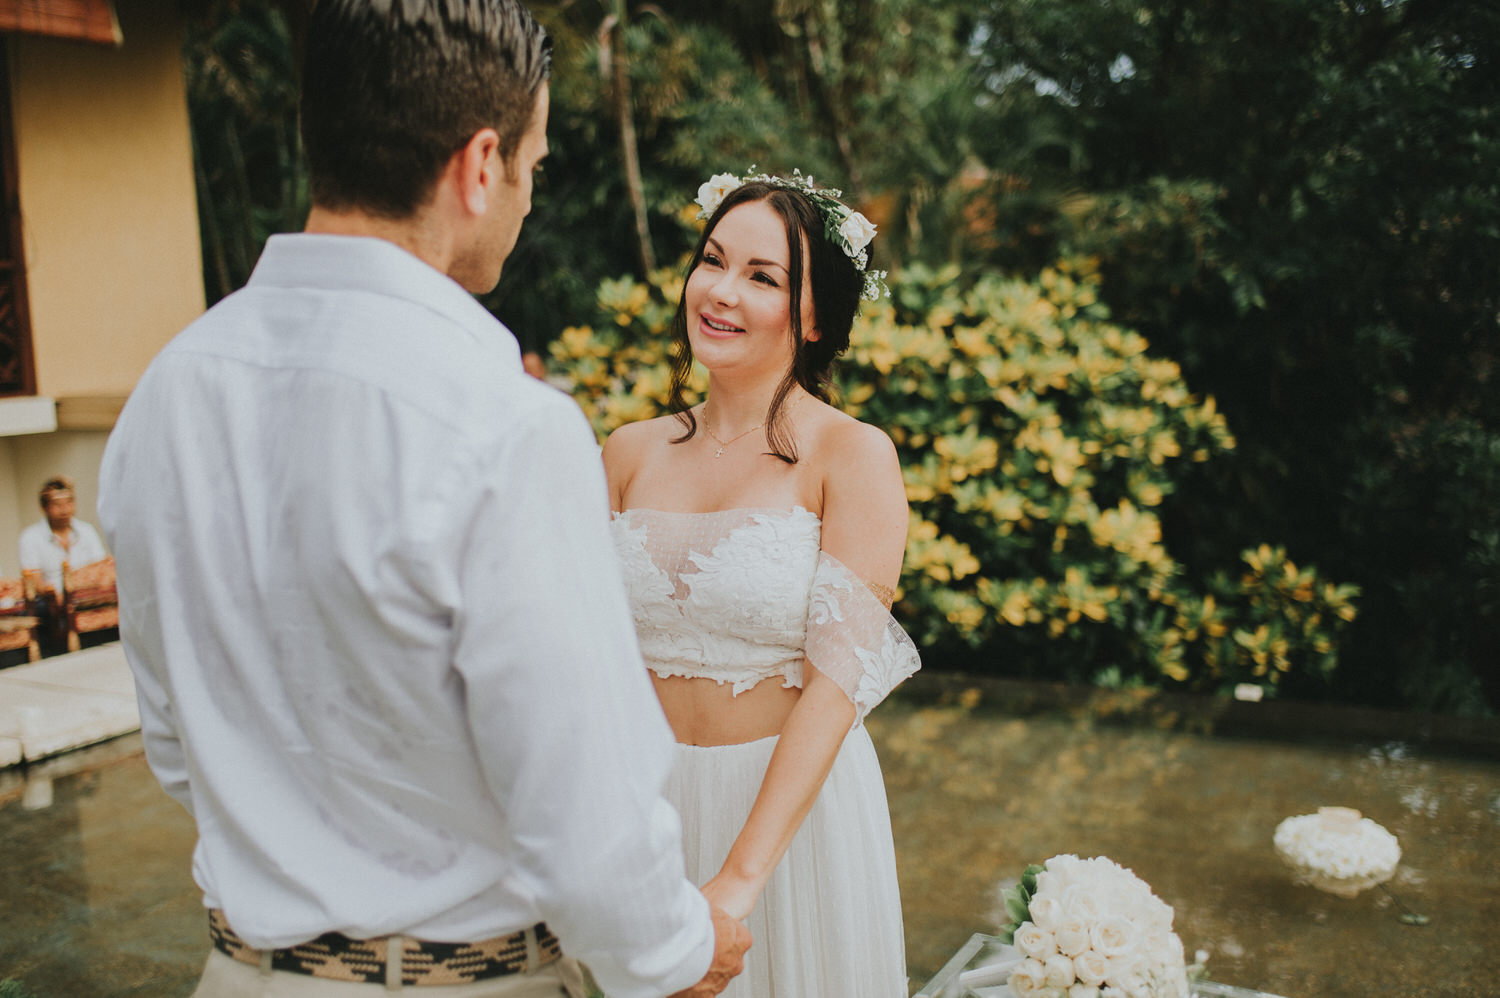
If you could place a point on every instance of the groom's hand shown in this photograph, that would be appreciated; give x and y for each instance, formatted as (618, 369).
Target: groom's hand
(731, 939)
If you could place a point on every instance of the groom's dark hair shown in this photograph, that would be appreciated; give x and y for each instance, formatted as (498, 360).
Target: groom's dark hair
(392, 88)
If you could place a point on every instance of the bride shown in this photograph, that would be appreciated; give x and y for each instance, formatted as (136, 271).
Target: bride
(761, 533)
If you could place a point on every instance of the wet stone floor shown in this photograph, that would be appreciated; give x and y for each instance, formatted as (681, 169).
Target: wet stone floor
(97, 901)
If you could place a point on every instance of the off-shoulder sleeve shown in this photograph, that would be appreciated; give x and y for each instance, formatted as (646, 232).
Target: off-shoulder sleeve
(852, 638)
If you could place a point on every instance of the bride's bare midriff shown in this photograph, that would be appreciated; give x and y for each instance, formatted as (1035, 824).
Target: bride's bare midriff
(705, 712)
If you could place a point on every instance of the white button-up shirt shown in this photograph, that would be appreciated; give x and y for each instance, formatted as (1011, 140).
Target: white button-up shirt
(40, 549)
(382, 648)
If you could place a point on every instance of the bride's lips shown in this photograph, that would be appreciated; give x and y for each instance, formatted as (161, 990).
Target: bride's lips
(710, 325)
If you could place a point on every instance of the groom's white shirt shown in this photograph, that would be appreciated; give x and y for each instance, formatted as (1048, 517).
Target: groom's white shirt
(382, 650)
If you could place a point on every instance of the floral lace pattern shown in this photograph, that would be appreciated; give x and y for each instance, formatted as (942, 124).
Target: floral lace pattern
(852, 638)
(720, 595)
(743, 595)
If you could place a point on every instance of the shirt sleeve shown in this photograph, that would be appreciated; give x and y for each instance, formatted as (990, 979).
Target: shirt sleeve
(89, 547)
(571, 738)
(159, 733)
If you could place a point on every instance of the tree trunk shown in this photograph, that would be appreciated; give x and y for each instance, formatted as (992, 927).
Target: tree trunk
(615, 66)
(825, 92)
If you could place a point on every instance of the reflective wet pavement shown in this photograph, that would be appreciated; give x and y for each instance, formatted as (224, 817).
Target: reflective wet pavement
(98, 901)
(977, 795)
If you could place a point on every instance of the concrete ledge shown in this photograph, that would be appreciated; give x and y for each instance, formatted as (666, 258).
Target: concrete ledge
(28, 414)
(89, 412)
(64, 703)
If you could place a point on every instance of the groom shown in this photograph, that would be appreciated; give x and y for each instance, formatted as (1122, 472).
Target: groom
(382, 652)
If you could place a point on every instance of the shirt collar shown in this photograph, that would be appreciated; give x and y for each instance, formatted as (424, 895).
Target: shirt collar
(377, 266)
(51, 535)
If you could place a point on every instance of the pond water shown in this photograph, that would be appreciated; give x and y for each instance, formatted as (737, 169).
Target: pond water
(98, 902)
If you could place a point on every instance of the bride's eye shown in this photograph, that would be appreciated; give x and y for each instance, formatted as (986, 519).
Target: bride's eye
(765, 278)
(712, 260)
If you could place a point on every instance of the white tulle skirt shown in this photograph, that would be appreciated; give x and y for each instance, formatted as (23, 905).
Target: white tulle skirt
(828, 924)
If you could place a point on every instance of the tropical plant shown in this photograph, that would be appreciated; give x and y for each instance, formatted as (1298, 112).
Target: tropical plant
(247, 155)
(1300, 202)
(1039, 441)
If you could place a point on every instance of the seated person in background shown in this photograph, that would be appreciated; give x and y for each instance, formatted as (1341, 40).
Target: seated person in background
(58, 537)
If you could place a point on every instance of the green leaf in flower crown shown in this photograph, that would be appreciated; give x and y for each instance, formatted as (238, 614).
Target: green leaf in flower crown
(1006, 935)
(1028, 879)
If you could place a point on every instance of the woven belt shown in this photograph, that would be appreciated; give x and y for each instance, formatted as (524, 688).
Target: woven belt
(422, 964)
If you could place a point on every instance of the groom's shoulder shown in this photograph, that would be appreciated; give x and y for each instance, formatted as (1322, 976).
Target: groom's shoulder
(498, 403)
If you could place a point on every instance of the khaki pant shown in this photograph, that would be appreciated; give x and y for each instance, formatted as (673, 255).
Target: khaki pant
(227, 978)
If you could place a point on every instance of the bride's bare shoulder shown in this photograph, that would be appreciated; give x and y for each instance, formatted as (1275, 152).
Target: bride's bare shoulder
(628, 447)
(845, 442)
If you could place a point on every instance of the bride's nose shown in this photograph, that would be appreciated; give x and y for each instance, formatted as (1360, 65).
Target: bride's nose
(724, 290)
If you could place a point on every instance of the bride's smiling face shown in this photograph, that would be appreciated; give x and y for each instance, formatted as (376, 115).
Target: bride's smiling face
(738, 298)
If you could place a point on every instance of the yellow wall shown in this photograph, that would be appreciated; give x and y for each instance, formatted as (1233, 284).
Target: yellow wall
(10, 510)
(108, 208)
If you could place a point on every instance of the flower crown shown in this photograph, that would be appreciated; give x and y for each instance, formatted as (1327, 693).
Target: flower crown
(846, 228)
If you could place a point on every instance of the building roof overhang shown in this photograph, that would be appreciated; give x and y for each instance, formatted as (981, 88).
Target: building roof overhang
(83, 20)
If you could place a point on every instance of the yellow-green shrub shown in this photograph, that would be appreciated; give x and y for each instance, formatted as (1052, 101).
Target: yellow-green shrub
(1038, 441)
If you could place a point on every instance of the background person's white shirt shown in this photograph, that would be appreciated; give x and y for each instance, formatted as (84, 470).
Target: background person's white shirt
(382, 649)
(40, 549)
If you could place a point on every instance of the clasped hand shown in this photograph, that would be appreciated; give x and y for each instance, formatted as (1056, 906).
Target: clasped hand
(731, 940)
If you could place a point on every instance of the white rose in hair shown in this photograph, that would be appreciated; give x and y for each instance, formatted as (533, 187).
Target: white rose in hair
(1034, 941)
(715, 189)
(857, 231)
(1081, 990)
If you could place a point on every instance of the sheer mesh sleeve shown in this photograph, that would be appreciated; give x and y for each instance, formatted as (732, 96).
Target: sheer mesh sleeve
(853, 640)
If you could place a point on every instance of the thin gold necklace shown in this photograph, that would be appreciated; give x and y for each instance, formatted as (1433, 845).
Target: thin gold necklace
(708, 425)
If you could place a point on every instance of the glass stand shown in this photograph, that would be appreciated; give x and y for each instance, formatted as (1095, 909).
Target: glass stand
(979, 968)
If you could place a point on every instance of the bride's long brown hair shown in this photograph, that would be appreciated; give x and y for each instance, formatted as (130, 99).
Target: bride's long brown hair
(835, 288)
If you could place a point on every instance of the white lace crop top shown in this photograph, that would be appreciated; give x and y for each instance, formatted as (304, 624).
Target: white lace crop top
(744, 595)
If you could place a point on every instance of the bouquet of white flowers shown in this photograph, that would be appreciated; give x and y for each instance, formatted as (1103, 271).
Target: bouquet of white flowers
(1089, 928)
(1337, 850)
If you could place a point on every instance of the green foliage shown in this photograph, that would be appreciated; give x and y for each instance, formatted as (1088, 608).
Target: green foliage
(242, 102)
(1038, 441)
(12, 988)
(1297, 202)
(1017, 901)
(1300, 202)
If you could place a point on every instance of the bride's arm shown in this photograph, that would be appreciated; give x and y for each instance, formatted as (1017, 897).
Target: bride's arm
(864, 527)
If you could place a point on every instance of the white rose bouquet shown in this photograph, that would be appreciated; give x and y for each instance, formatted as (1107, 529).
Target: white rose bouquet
(1337, 850)
(1089, 928)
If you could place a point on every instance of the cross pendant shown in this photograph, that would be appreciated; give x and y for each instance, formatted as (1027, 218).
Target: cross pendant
(719, 452)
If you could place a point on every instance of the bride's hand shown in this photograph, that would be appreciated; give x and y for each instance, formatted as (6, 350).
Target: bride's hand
(734, 895)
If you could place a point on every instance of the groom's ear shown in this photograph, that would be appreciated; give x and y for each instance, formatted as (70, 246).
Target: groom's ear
(477, 169)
